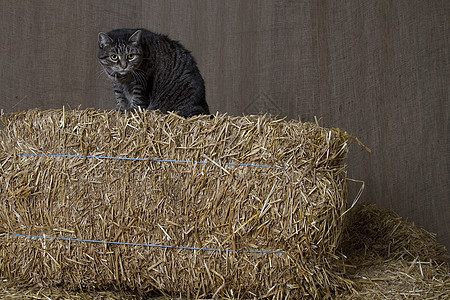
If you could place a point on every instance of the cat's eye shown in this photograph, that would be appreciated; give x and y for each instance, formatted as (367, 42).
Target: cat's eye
(131, 56)
(114, 57)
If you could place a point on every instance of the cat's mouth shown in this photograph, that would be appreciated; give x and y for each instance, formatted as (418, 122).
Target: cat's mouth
(118, 74)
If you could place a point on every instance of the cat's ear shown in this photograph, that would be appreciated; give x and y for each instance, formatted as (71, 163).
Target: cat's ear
(103, 40)
(135, 37)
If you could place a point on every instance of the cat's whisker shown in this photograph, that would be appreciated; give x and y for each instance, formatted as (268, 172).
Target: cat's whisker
(142, 77)
(139, 76)
(134, 75)
(103, 71)
(100, 73)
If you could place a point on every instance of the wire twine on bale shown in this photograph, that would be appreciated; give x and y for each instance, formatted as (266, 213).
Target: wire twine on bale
(131, 201)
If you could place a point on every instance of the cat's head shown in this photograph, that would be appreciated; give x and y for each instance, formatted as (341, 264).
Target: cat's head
(119, 55)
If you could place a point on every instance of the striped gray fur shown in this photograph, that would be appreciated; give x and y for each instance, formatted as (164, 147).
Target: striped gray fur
(151, 71)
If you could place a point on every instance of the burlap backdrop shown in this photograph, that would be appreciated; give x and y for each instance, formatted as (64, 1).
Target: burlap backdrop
(379, 69)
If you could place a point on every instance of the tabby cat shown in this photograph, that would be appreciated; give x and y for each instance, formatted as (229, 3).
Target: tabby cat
(151, 71)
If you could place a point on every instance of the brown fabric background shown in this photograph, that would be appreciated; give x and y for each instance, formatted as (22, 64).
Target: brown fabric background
(379, 69)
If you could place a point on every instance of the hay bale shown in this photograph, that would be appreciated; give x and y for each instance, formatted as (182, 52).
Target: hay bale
(393, 258)
(371, 233)
(265, 197)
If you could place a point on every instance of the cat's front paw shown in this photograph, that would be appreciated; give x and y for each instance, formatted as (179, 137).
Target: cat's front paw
(121, 107)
